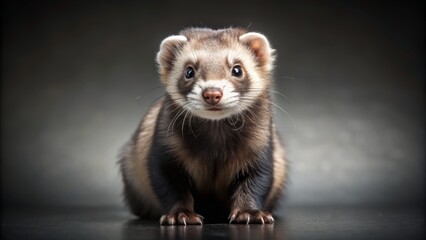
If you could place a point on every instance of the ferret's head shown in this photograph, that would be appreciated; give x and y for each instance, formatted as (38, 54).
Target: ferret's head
(215, 73)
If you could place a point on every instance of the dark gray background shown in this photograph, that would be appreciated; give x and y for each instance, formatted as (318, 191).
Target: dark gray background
(77, 77)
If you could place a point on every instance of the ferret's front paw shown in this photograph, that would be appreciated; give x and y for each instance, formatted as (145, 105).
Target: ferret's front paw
(181, 218)
(250, 216)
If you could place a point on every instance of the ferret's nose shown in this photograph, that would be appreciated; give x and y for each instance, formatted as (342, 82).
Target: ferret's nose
(212, 96)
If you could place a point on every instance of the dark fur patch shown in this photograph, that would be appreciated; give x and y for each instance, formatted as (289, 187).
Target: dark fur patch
(169, 180)
(185, 86)
(253, 186)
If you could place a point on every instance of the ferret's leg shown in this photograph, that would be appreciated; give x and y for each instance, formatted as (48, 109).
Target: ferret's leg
(171, 185)
(250, 194)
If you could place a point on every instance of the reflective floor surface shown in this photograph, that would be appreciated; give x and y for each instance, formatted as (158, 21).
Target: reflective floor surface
(297, 223)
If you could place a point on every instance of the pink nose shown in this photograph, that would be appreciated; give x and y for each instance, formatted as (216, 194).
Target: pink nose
(212, 96)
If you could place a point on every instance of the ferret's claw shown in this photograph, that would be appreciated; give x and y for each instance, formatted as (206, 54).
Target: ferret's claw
(232, 218)
(162, 219)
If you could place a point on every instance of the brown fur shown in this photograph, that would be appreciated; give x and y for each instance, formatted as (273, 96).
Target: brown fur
(166, 132)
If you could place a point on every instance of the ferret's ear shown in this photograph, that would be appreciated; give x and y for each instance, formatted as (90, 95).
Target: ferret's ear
(169, 48)
(260, 47)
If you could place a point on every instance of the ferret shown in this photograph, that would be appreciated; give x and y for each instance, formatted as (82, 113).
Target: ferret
(208, 148)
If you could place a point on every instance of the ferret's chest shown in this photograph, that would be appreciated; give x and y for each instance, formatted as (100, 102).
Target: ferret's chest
(213, 180)
(215, 147)
(216, 173)
(213, 157)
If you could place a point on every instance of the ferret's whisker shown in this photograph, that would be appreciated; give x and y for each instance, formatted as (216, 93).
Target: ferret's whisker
(190, 123)
(180, 112)
(183, 121)
(154, 88)
(285, 112)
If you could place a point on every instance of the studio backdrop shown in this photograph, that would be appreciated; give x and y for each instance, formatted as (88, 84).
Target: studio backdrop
(77, 77)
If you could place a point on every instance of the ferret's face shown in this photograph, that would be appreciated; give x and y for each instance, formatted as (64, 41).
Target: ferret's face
(215, 74)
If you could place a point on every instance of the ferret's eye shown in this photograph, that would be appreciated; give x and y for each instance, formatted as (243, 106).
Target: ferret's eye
(237, 71)
(189, 73)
